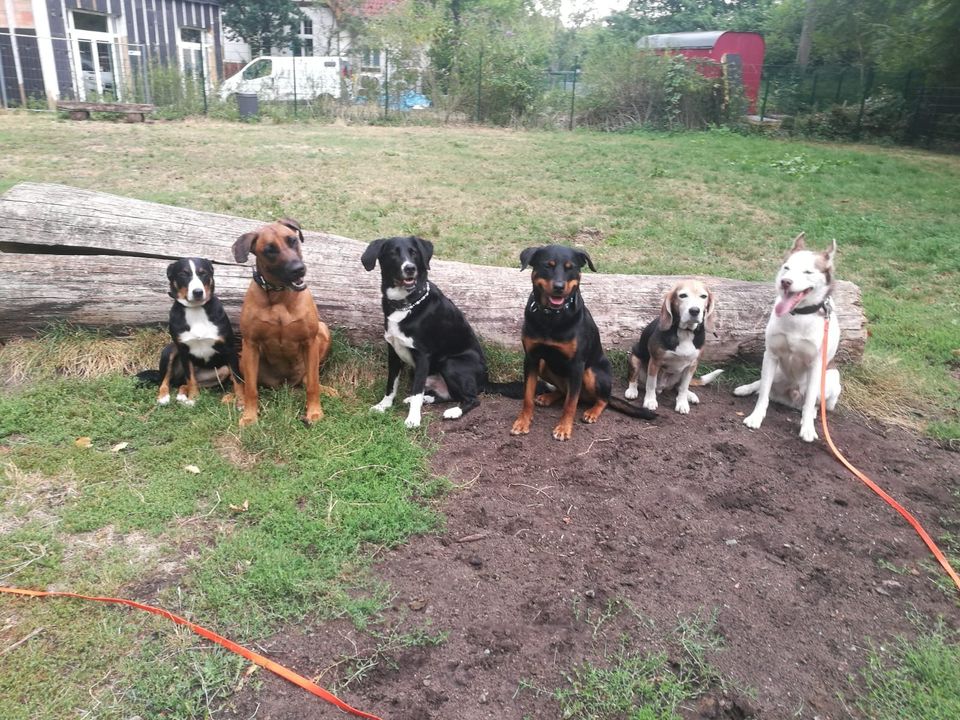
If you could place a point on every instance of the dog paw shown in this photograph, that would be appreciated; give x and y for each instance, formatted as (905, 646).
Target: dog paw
(427, 399)
(631, 393)
(692, 398)
(163, 400)
(562, 432)
(547, 399)
(521, 426)
(181, 398)
(753, 420)
(591, 416)
(313, 416)
(744, 390)
(650, 404)
(411, 422)
(452, 413)
(382, 406)
(682, 406)
(808, 433)
(246, 420)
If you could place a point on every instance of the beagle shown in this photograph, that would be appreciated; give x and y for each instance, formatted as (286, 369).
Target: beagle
(669, 348)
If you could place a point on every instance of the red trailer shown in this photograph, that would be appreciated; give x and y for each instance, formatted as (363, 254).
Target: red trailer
(721, 48)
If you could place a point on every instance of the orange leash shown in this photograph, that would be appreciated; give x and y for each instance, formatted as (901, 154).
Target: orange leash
(253, 657)
(937, 553)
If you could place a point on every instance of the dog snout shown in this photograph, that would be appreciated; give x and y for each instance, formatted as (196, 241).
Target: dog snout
(558, 287)
(786, 283)
(694, 311)
(408, 269)
(197, 294)
(296, 269)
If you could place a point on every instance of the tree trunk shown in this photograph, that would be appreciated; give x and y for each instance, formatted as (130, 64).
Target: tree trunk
(806, 34)
(99, 260)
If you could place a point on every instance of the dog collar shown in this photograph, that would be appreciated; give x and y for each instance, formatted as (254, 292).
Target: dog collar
(269, 287)
(811, 309)
(411, 306)
(537, 307)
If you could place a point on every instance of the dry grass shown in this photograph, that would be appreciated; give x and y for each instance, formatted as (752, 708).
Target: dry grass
(78, 354)
(882, 389)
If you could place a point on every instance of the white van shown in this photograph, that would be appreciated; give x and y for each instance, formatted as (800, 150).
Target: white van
(283, 78)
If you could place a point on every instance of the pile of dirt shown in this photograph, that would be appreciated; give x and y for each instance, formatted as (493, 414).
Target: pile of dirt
(684, 515)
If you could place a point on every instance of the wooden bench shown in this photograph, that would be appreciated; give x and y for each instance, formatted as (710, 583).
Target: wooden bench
(135, 112)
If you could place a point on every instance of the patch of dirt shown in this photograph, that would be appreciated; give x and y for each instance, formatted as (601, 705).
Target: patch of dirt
(230, 449)
(682, 515)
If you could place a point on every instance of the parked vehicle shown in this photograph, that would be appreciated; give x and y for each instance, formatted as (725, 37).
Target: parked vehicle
(286, 78)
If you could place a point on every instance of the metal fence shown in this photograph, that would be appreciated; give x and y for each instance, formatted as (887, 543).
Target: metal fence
(844, 102)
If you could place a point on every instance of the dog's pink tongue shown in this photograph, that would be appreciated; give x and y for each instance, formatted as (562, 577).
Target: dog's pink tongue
(788, 303)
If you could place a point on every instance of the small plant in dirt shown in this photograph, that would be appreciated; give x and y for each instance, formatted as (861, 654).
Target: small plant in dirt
(389, 645)
(633, 682)
(913, 679)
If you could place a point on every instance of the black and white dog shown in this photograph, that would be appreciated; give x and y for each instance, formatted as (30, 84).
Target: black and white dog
(202, 352)
(426, 331)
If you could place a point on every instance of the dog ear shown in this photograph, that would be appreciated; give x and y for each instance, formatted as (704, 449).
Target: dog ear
(798, 243)
(426, 250)
(171, 271)
(584, 259)
(527, 256)
(293, 225)
(371, 254)
(666, 310)
(208, 266)
(244, 245)
(830, 252)
(709, 317)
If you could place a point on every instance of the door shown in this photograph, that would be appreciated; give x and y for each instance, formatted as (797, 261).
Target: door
(95, 57)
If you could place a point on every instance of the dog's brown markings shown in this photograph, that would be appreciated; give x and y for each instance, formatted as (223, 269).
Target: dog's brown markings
(567, 348)
(521, 425)
(191, 390)
(589, 392)
(283, 338)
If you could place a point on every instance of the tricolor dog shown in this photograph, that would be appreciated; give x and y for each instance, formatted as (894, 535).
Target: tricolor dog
(794, 338)
(284, 341)
(561, 344)
(667, 353)
(202, 353)
(425, 331)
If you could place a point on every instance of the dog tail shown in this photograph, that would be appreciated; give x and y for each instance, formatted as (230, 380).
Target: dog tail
(146, 378)
(512, 390)
(622, 406)
(706, 379)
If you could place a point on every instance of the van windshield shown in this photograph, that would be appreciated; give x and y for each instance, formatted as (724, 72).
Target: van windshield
(258, 69)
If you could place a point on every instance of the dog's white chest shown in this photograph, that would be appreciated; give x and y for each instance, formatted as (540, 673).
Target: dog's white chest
(202, 335)
(400, 343)
(684, 354)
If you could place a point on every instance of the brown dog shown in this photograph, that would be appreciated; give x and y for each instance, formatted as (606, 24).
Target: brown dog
(284, 341)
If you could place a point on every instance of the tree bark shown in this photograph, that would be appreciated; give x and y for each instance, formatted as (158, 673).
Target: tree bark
(99, 260)
(806, 34)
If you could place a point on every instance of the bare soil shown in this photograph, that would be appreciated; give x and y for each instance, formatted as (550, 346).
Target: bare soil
(682, 515)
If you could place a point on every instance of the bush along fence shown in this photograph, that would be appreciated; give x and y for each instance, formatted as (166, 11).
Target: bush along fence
(853, 102)
(615, 87)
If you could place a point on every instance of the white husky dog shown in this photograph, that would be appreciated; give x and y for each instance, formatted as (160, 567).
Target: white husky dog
(794, 338)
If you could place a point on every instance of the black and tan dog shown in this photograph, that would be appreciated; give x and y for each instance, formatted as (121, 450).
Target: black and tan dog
(203, 352)
(667, 353)
(284, 341)
(561, 343)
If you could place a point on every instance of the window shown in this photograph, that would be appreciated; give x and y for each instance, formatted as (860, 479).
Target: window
(190, 35)
(258, 69)
(371, 59)
(306, 47)
(89, 21)
(306, 27)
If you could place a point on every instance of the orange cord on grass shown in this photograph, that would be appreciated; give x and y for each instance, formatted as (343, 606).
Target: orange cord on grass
(253, 657)
(937, 553)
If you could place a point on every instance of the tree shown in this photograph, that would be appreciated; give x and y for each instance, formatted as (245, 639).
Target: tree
(263, 24)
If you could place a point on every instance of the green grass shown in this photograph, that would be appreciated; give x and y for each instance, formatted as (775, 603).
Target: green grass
(913, 680)
(634, 682)
(709, 203)
(279, 524)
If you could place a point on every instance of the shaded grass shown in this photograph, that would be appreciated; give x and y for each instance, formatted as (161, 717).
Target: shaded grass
(279, 523)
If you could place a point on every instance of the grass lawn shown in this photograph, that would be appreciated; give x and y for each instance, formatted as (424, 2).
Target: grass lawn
(280, 521)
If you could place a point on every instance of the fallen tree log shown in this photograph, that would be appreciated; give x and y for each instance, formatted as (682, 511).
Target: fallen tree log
(99, 260)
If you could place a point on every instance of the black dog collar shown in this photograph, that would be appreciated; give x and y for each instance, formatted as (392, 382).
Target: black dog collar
(403, 305)
(535, 306)
(811, 309)
(270, 287)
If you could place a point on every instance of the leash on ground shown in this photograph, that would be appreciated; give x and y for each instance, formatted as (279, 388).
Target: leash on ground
(253, 657)
(937, 553)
